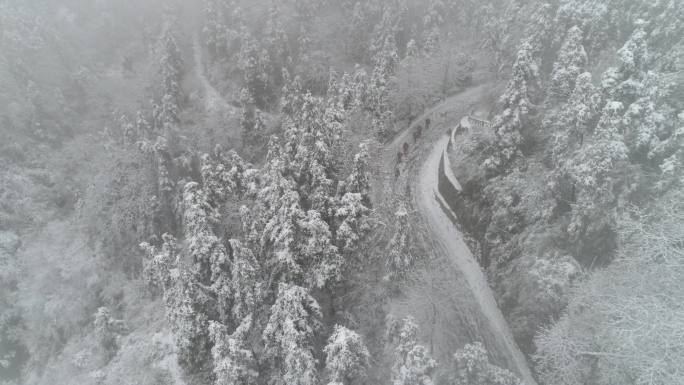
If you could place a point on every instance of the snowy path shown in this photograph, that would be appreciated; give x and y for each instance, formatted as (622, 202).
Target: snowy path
(390, 151)
(450, 240)
(445, 236)
(213, 101)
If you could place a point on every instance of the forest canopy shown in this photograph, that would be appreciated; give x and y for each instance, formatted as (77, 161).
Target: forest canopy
(220, 192)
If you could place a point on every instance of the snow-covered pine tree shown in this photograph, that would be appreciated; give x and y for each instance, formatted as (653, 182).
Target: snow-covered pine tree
(569, 64)
(128, 133)
(213, 24)
(353, 204)
(211, 264)
(471, 366)
(594, 170)
(171, 72)
(411, 49)
(288, 336)
(623, 83)
(186, 305)
(400, 257)
(254, 63)
(538, 30)
(432, 22)
(317, 251)
(160, 265)
(517, 105)
(276, 44)
(185, 300)
(347, 357)
(377, 94)
(352, 223)
(671, 151)
(249, 119)
(650, 119)
(413, 364)
(105, 334)
(143, 126)
(217, 33)
(358, 180)
(273, 225)
(580, 112)
(305, 10)
(291, 99)
(359, 27)
(304, 219)
(573, 120)
(246, 281)
(226, 175)
(233, 362)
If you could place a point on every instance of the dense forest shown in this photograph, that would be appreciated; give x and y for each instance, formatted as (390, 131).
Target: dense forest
(217, 192)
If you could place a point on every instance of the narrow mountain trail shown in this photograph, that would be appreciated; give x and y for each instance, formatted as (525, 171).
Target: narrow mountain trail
(390, 151)
(213, 101)
(215, 112)
(420, 177)
(449, 239)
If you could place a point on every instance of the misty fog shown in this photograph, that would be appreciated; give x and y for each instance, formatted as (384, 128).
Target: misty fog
(341, 192)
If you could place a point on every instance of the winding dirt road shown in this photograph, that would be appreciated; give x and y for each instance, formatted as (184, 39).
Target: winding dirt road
(447, 240)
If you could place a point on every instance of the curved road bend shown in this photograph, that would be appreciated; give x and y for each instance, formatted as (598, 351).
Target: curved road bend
(449, 239)
(446, 237)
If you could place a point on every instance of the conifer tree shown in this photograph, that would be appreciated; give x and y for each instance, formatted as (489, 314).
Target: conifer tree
(276, 45)
(186, 305)
(171, 72)
(288, 336)
(250, 118)
(353, 225)
(471, 367)
(347, 357)
(516, 109)
(142, 126)
(400, 255)
(212, 25)
(360, 26)
(159, 264)
(377, 94)
(305, 221)
(226, 175)
(208, 254)
(354, 204)
(575, 119)
(253, 61)
(233, 361)
(218, 36)
(432, 21)
(246, 285)
(211, 264)
(358, 180)
(292, 97)
(595, 171)
(570, 63)
(622, 83)
(413, 364)
(127, 130)
(105, 333)
(411, 49)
